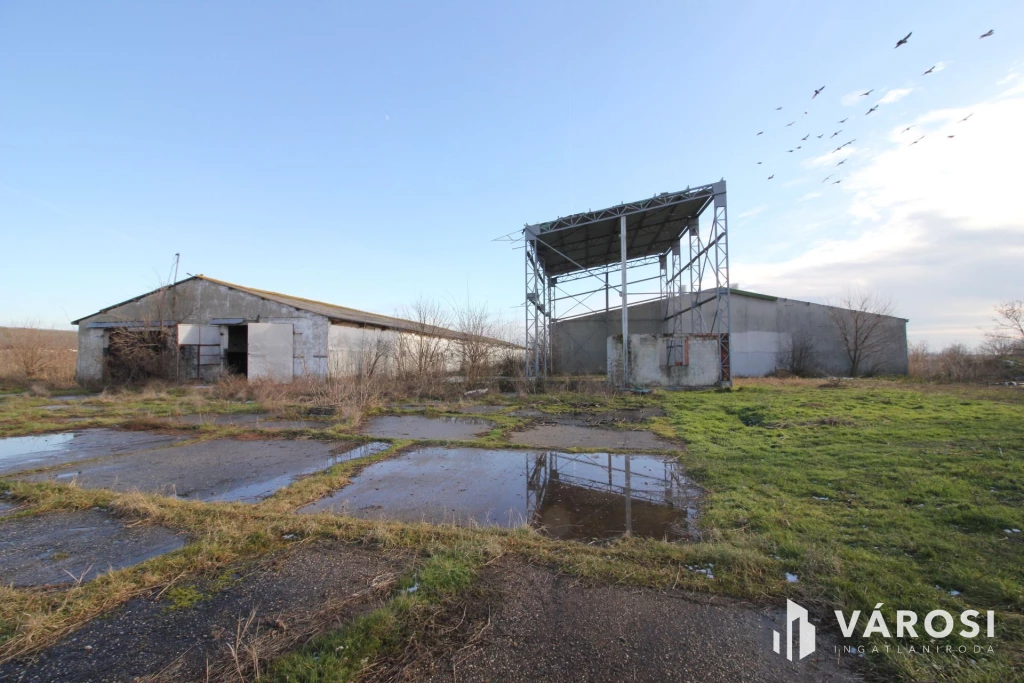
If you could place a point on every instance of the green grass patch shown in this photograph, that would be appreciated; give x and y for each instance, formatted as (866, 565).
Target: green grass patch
(343, 654)
(875, 492)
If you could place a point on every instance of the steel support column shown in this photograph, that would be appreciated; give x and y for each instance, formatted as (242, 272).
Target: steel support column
(625, 305)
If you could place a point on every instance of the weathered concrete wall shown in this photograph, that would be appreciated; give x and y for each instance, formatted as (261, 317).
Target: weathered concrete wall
(356, 350)
(89, 365)
(648, 362)
(580, 346)
(198, 302)
(763, 327)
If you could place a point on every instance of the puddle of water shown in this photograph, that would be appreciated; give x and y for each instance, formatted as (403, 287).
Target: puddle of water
(28, 452)
(570, 496)
(20, 446)
(255, 491)
(419, 427)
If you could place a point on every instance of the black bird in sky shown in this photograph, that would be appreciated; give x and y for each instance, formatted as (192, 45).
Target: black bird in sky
(928, 71)
(759, 163)
(848, 143)
(837, 149)
(790, 124)
(966, 117)
(761, 133)
(804, 138)
(845, 120)
(916, 141)
(820, 136)
(771, 176)
(841, 162)
(827, 177)
(835, 134)
(836, 182)
(788, 150)
(798, 146)
(778, 108)
(906, 129)
(817, 92)
(950, 136)
(986, 34)
(865, 94)
(872, 109)
(903, 41)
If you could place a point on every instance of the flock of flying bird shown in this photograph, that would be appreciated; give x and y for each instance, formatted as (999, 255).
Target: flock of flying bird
(818, 91)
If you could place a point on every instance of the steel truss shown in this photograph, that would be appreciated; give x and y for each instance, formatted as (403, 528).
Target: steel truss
(692, 273)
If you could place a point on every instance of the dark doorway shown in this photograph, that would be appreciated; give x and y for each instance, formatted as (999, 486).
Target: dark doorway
(237, 354)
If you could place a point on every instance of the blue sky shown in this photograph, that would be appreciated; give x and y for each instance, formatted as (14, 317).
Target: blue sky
(368, 155)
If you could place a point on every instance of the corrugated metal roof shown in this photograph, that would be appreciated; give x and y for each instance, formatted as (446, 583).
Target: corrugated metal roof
(331, 311)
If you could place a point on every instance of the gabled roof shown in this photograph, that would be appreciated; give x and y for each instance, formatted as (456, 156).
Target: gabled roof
(331, 311)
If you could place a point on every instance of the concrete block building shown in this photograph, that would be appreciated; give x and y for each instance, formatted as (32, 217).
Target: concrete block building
(764, 331)
(210, 326)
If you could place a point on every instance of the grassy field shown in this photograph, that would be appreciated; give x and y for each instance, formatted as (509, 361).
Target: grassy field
(869, 492)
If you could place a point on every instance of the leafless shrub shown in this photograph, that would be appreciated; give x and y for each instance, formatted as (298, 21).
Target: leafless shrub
(1007, 338)
(799, 355)
(145, 349)
(956, 363)
(860, 318)
(422, 358)
(31, 353)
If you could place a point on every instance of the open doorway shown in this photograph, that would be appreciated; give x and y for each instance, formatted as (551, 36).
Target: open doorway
(237, 354)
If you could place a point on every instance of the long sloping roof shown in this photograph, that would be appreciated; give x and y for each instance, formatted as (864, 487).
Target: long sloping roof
(331, 311)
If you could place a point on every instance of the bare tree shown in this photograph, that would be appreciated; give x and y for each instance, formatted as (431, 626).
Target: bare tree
(423, 355)
(1008, 336)
(799, 355)
(860, 317)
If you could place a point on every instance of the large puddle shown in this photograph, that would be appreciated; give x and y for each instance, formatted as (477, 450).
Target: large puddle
(76, 546)
(420, 427)
(31, 452)
(590, 496)
(216, 470)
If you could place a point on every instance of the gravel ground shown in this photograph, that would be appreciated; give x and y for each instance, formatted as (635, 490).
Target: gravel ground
(309, 588)
(60, 547)
(535, 625)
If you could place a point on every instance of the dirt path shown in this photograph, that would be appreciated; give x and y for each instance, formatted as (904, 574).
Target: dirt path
(534, 625)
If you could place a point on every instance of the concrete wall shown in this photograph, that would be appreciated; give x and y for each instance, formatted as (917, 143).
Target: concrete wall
(763, 327)
(648, 362)
(198, 302)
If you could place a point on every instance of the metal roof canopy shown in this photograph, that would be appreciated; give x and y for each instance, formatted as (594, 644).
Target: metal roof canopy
(656, 230)
(592, 239)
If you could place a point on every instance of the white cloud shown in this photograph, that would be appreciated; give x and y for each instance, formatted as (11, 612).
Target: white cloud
(830, 158)
(750, 213)
(809, 196)
(852, 98)
(1009, 78)
(895, 95)
(938, 225)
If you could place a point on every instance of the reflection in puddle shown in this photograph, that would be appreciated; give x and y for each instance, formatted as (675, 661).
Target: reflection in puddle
(571, 496)
(18, 446)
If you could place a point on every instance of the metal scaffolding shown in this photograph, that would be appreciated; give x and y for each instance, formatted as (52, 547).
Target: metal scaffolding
(574, 259)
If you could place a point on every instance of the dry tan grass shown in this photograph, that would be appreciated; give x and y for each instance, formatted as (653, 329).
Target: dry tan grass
(31, 354)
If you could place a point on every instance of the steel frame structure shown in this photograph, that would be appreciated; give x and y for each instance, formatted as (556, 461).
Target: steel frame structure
(627, 238)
